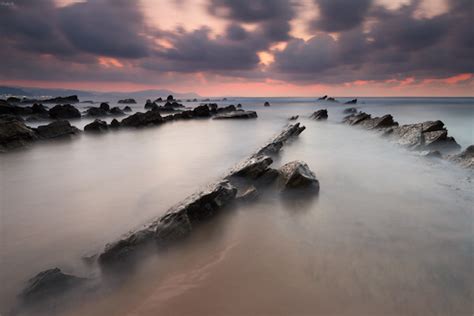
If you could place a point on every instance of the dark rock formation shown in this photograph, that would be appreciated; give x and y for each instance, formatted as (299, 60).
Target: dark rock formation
(355, 119)
(159, 100)
(354, 101)
(7, 108)
(13, 100)
(247, 195)
(252, 168)
(236, 115)
(97, 126)
(266, 103)
(173, 104)
(150, 105)
(115, 124)
(39, 109)
(350, 111)
(56, 129)
(116, 111)
(65, 111)
(140, 119)
(127, 101)
(170, 98)
(14, 133)
(105, 106)
(296, 174)
(239, 106)
(275, 145)
(218, 110)
(320, 115)
(48, 283)
(378, 122)
(57, 100)
(127, 109)
(464, 158)
(433, 154)
(202, 111)
(331, 100)
(96, 111)
(293, 118)
(323, 98)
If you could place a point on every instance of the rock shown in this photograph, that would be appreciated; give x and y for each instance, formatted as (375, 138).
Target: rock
(140, 119)
(95, 111)
(433, 154)
(96, 127)
(465, 158)
(14, 133)
(127, 101)
(354, 101)
(173, 104)
(50, 282)
(114, 124)
(202, 111)
(252, 168)
(56, 129)
(116, 111)
(331, 100)
(57, 100)
(247, 195)
(296, 174)
(158, 100)
(170, 98)
(13, 100)
(105, 106)
(239, 106)
(266, 103)
(350, 111)
(227, 109)
(355, 119)
(277, 142)
(127, 109)
(150, 105)
(320, 115)
(236, 115)
(379, 122)
(9, 109)
(268, 177)
(323, 98)
(39, 109)
(172, 227)
(65, 111)
(294, 118)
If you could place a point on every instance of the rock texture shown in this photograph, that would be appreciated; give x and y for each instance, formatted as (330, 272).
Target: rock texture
(296, 174)
(97, 126)
(320, 115)
(56, 129)
(14, 133)
(65, 111)
(236, 115)
(464, 158)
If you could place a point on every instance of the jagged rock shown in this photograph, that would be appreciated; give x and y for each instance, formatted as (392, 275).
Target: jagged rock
(247, 195)
(173, 104)
(170, 98)
(296, 174)
(355, 119)
(39, 109)
(183, 115)
(116, 111)
(158, 100)
(50, 282)
(96, 111)
(14, 133)
(140, 119)
(96, 127)
(354, 101)
(150, 105)
(253, 167)
(127, 109)
(276, 144)
(266, 103)
(268, 177)
(239, 106)
(127, 101)
(293, 118)
(464, 158)
(172, 227)
(202, 111)
(105, 106)
(433, 154)
(350, 111)
(379, 122)
(114, 124)
(323, 98)
(331, 100)
(9, 109)
(56, 129)
(227, 109)
(65, 111)
(236, 115)
(320, 115)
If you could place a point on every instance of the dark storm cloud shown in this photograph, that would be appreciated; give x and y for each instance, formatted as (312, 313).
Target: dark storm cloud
(398, 44)
(340, 15)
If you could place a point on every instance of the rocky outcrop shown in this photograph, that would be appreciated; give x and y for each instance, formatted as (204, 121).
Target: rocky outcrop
(140, 119)
(323, 98)
(7, 108)
(116, 111)
(56, 129)
(378, 122)
(127, 101)
(247, 194)
(114, 124)
(96, 111)
(252, 168)
(65, 111)
(275, 145)
(14, 133)
(105, 106)
(202, 111)
(320, 115)
(354, 101)
(97, 126)
(127, 109)
(266, 103)
(296, 174)
(350, 111)
(48, 283)
(356, 118)
(150, 105)
(57, 100)
(331, 99)
(236, 115)
(464, 158)
(293, 118)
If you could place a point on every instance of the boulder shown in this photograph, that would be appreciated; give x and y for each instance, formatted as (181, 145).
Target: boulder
(127, 101)
(236, 115)
(293, 118)
(170, 98)
(39, 109)
(239, 106)
(202, 111)
(266, 103)
(56, 129)
(140, 119)
(158, 100)
(173, 104)
(150, 105)
(227, 109)
(116, 111)
(331, 100)
(105, 106)
(464, 158)
(252, 168)
(97, 126)
(50, 283)
(323, 98)
(320, 115)
(115, 124)
(296, 174)
(96, 111)
(14, 133)
(127, 109)
(354, 101)
(65, 111)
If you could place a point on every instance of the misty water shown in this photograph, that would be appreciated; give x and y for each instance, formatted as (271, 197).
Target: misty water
(390, 233)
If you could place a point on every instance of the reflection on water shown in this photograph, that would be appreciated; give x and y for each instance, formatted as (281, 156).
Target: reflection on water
(389, 233)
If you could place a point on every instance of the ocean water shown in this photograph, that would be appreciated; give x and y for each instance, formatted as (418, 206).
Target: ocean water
(390, 232)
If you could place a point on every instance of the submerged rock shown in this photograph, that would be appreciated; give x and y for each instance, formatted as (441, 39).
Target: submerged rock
(464, 158)
(96, 111)
(96, 127)
(65, 111)
(354, 101)
(150, 105)
(293, 118)
(331, 100)
(127, 101)
(296, 174)
(114, 124)
(350, 111)
(320, 115)
(323, 98)
(253, 167)
(105, 106)
(50, 282)
(140, 119)
(127, 109)
(14, 133)
(266, 103)
(236, 115)
(116, 111)
(56, 129)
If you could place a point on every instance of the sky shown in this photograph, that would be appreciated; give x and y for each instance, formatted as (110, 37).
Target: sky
(241, 47)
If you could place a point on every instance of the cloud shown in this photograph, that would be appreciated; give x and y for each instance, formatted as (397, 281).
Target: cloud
(340, 15)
